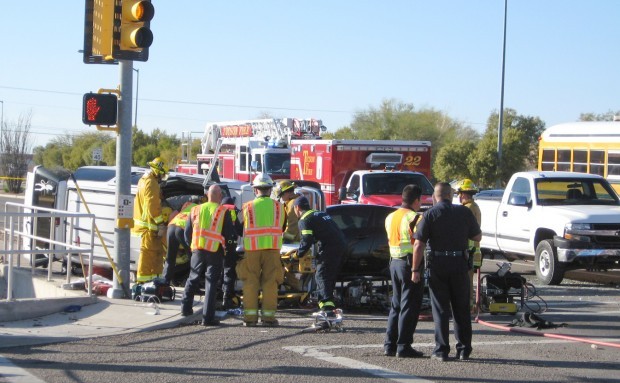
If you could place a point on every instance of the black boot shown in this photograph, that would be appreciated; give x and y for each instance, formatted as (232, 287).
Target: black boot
(228, 303)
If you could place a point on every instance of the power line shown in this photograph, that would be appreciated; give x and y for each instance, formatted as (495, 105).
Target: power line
(187, 102)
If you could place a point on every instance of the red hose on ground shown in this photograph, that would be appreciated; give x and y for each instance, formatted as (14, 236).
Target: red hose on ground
(556, 336)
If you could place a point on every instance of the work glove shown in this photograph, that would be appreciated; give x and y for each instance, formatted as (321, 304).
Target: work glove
(161, 231)
(477, 258)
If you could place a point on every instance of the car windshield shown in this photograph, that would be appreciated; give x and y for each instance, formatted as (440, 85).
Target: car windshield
(575, 192)
(394, 183)
(278, 163)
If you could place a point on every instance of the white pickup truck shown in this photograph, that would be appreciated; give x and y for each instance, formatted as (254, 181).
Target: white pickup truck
(563, 220)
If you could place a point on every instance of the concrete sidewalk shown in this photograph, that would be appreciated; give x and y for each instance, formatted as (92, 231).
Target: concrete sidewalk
(104, 317)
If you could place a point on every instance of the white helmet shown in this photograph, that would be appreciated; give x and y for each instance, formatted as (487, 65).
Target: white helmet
(262, 181)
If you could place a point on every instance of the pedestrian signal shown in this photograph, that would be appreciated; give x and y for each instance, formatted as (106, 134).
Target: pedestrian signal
(99, 109)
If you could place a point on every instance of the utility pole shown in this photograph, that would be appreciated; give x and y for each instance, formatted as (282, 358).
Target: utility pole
(123, 180)
(500, 128)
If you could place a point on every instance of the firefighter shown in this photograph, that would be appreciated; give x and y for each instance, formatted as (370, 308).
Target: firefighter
(148, 221)
(318, 227)
(261, 269)
(229, 276)
(208, 228)
(466, 190)
(406, 295)
(285, 190)
(175, 238)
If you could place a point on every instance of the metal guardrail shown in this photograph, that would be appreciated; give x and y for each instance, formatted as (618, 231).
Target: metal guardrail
(17, 233)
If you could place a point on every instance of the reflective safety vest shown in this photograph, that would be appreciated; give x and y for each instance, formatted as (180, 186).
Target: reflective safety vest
(207, 224)
(180, 219)
(398, 228)
(262, 220)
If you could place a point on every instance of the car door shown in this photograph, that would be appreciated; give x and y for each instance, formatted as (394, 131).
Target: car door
(513, 229)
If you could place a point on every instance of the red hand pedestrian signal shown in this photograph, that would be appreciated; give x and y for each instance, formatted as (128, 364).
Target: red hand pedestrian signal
(92, 109)
(99, 109)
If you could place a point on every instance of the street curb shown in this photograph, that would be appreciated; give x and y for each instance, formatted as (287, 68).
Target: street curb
(37, 307)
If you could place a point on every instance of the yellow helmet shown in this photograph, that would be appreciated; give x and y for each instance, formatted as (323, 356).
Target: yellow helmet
(283, 186)
(158, 166)
(466, 186)
(262, 181)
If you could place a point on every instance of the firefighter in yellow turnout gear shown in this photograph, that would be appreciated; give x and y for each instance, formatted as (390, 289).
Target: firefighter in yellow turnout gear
(285, 190)
(148, 222)
(466, 190)
(261, 268)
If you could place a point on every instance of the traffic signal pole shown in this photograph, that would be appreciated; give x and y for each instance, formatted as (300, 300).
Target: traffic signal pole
(123, 182)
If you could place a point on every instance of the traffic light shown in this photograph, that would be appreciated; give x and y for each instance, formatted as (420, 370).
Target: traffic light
(133, 35)
(99, 31)
(99, 109)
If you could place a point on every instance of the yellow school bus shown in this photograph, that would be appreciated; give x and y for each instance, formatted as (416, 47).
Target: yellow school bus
(585, 147)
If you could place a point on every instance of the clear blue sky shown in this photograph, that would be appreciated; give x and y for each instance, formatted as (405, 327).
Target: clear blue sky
(230, 60)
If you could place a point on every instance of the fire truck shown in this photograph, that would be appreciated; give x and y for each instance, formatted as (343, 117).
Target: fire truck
(370, 172)
(242, 148)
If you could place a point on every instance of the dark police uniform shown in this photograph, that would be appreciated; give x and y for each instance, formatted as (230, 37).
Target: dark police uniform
(229, 276)
(317, 226)
(447, 228)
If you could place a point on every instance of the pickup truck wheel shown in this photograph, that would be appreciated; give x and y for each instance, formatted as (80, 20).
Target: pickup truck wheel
(548, 269)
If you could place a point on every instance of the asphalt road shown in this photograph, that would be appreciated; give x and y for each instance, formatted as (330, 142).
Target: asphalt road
(285, 354)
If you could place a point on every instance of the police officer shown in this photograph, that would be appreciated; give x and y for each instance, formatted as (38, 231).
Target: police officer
(261, 268)
(406, 295)
(229, 276)
(318, 227)
(466, 190)
(447, 228)
(208, 228)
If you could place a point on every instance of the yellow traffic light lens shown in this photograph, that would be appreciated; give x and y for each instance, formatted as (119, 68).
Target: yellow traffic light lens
(142, 38)
(143, 11)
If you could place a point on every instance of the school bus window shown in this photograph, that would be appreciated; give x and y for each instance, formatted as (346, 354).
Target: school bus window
(548, 159)
(597, 162)
(564, 160)
(613, 163)
(580, 161)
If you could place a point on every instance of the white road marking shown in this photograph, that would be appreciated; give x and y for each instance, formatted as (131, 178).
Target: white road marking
(321, 353)
(378, 371)
(13, 374)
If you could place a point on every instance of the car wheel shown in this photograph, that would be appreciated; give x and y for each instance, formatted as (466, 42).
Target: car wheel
(548, 269)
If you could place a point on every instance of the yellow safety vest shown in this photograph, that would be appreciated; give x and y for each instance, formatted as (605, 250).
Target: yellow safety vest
(262, 220)
(398, 228)
(180, 219)
(207, 224)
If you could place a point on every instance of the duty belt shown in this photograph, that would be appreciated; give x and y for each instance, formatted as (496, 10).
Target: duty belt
(458, 253)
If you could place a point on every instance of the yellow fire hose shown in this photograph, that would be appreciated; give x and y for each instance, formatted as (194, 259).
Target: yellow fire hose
(105, 247)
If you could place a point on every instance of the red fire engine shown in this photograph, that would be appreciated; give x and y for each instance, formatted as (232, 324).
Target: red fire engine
(363, 171)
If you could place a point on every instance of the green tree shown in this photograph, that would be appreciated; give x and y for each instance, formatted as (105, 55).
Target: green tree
(449, 163)
(396, 120)
(519, 148)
